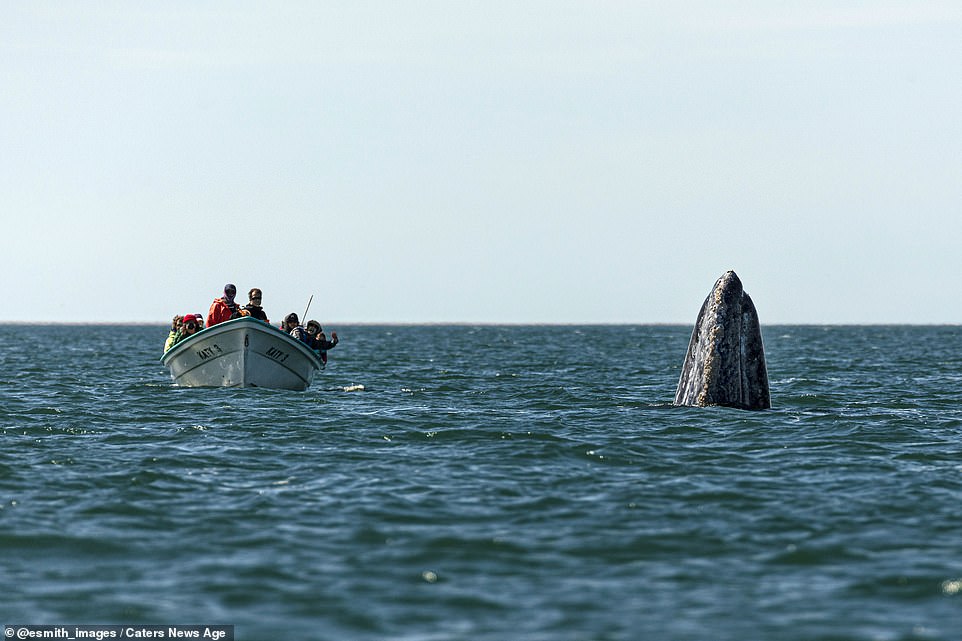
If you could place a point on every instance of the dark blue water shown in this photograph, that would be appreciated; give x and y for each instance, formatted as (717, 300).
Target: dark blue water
(488, 483)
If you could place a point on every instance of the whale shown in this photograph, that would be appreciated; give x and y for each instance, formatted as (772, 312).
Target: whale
(725, 363)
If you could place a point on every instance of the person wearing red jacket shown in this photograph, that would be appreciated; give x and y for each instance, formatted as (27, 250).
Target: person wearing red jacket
(223, 308)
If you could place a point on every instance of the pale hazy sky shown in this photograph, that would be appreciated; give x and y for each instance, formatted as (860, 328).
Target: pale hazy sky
(481, 161)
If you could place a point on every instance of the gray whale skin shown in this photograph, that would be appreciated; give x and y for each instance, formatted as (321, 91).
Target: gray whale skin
(725, 363)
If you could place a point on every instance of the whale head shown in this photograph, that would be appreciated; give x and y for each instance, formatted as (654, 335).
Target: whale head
(725, 362)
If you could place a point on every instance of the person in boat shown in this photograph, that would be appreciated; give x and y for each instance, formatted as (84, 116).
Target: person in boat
(224, 308)
(318, 341)
(175, 327)
(191, 325)
(293, 327)
(253, 307)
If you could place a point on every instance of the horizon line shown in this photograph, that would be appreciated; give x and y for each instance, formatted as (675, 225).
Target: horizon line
(84, 323)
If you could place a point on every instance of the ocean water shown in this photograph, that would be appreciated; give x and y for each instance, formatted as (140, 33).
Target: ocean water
(486, 484)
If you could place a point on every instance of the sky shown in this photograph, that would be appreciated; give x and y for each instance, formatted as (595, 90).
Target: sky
(481, 162)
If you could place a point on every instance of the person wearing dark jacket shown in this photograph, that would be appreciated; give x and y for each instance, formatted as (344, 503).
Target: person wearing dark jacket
(253, 308)
(317, 341)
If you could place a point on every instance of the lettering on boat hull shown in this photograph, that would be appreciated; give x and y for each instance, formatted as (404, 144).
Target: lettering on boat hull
(209, 352)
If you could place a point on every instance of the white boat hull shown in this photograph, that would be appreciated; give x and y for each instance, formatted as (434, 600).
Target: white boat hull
(243, 352)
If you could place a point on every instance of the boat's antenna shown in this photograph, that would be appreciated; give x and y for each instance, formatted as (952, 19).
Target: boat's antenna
(304, 317)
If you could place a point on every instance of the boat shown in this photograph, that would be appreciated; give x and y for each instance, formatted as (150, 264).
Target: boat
(242, 352)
